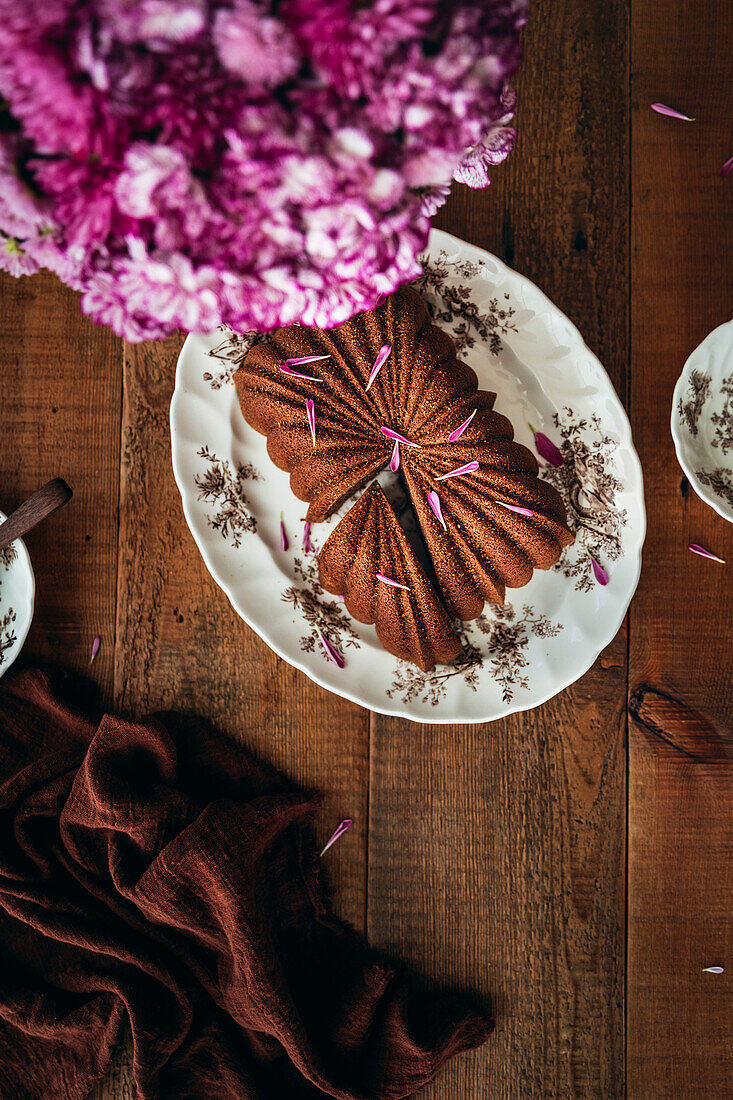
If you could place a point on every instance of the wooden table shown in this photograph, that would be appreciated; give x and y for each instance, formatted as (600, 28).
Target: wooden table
(574, 861)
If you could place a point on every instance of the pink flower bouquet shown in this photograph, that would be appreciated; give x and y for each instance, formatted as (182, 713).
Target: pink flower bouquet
(191, 163)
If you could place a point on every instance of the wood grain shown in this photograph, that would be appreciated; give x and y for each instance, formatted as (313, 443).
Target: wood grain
(496, 853)
(680, 882)
(60, 393)
(182, 647)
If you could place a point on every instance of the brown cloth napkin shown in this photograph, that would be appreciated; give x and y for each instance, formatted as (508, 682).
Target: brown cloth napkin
(156, 877)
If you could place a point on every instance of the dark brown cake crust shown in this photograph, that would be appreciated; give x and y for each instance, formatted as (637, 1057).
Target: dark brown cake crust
(368, 541)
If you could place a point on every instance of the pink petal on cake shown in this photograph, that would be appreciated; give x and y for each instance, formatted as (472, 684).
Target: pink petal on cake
(434, 502)
(399, 438)
(394, 462)
(284, 544)
(95, 648)
(546, 448)
(713, 970)
(458, 432)
(469, 468)
(598, 571)
(379, 363)
(310, 411)
(331, 652)
(515, 508)
(663, 109)
(338, 832)
(393, 584)
(305, 359)
(307, 544)
(296, 374)
(697, 549)
(727, 168)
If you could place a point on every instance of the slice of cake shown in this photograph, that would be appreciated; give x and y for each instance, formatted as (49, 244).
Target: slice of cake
(368, 560)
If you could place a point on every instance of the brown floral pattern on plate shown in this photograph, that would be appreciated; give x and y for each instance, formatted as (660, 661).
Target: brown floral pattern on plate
(720, 481)
(589, 488)
(231, 351)
(8, 637)
(457, 312)
(690, 409)
(723, 420)
(224, 487)
(321, 611)
(8, 556)
(497, 641)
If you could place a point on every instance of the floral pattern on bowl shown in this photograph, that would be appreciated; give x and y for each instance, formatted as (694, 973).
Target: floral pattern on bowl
(702, 420)
(514, 657)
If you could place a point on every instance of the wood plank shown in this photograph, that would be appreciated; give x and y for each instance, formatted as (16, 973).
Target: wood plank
(182, 647)
(60, 402)
(496, 857)
(680, 915)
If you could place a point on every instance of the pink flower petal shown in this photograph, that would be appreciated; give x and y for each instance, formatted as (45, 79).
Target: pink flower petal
(338, 832)
(379, 363)
(598, 571)
(469, 468)
(284, 544)
(663, 109)
(305, 359)
(95, 648)
(296, 374)
(515, 508)
(546, 448)
(399, 438)
(458, 432)
(382, 298)
(434, 502)
(307, 544)
(331, 652)
(393, 584)
(713, 970)
(727, 168)
(394, 462)
(697, 549)
(310, 411)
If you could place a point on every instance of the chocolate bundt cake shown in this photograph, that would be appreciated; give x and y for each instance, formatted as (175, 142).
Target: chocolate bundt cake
(368, 560)
(420, 388)
(337, 405)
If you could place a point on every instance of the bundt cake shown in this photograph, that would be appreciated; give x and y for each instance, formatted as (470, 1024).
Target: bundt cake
(338, 405)
(368, 560)
(418, 388)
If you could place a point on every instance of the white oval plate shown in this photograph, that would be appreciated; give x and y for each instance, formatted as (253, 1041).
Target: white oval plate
(702, 420)
(17, 595)
(515, 657)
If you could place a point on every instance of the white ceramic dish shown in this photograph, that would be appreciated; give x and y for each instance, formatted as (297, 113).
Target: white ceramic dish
(702, 420)
(17, 595)
(515, 657)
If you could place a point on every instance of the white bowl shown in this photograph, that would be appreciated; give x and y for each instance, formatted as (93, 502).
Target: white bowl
(17, 594)
(702, 420)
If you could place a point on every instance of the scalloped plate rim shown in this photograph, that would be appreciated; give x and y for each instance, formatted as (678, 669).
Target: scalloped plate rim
(438, 238)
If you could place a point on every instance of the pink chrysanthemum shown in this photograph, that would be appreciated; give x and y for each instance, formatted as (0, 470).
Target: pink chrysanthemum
(191, 163)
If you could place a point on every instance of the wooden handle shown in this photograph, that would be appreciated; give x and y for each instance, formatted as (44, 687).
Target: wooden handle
(43, 502)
